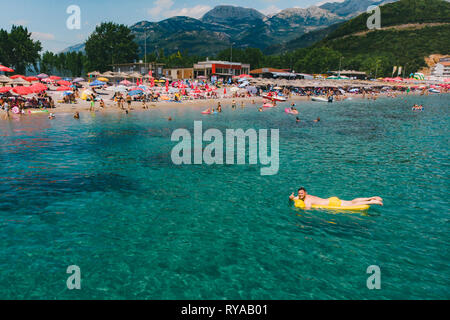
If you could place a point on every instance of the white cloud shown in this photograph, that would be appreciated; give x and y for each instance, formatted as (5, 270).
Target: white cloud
(42, 36)
(160, 6)
(195, 12)
(163, 9)
(328, 1)
(270, 10)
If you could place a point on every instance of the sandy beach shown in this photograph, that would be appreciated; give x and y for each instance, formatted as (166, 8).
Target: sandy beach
(111, 107)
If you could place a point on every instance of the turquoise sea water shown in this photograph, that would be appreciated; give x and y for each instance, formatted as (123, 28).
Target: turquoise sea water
(103, 194)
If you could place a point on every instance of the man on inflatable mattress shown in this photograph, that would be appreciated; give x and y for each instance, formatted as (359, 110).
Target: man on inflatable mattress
(305, 201)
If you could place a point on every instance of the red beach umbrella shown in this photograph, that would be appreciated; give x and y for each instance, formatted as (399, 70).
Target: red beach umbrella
(63, 83)
(38, 87)
(55, 78)
(5, 89)
(16, 76)
(64, 88)
(29, 79)
(5, 69)
(23, 91)
(167, 85)
(47, 80)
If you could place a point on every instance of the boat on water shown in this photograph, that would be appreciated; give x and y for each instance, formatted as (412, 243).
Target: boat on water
(275, 97)
(320, 99)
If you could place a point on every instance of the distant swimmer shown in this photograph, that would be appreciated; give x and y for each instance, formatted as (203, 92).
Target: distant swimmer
(297, 119)
(169, 119)
(310, 200)
(317, 120)
(292, 105)
(76, 115)
(51, 116)
(260, 109)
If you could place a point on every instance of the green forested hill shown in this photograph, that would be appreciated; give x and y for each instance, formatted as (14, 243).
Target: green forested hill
(410, 31)
(399, 13)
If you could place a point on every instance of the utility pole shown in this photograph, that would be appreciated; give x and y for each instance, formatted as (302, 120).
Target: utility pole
(340, 64)
(376, 69)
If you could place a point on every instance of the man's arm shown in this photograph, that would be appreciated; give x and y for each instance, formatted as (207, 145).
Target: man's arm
(308, 204)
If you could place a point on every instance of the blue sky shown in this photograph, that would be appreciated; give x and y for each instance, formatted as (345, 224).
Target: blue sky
(47, 18)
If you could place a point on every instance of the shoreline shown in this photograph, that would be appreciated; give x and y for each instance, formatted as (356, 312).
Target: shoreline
(111, 107)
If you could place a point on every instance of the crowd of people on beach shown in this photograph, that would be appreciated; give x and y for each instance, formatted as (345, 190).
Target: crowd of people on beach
(102, 97)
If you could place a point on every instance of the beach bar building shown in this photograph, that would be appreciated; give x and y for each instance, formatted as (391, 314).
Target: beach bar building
(352, 74)
(220, 69)
(442, 69)
(179, 73)
(139, 67)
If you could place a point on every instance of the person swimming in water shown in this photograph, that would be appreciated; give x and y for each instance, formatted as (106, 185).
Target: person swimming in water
(76, 115)
(311, 200)
(317, 120)
(297, 119)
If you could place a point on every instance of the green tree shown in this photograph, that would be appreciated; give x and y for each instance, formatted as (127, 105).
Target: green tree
(110, 43)
(18, 50)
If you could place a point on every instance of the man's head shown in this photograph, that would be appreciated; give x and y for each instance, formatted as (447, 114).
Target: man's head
(302, 193)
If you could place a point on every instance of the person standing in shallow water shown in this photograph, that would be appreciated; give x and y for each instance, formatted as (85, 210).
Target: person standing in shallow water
(92, 107)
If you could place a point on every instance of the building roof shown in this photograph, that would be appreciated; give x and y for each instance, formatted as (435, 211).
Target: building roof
(354, 72)
(266, 70)
(220, 62)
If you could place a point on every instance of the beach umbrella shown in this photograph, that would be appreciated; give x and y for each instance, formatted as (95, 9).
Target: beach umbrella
(55, 78)
(42, 76)
(125, 82)
(38, 87)
(5, 89)
(23, 91)
(29, 79)
(47, 80)
(97, 83)
(135, 92)
(167, 85)
(63, 83)
(5, 69)
(4, 79)
(19, 81)
(63, 88)
(103, 79)
(17, 76)
(136, 88)
(78, 80)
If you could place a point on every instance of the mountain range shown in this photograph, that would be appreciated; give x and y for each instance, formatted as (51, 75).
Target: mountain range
(225, 26)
